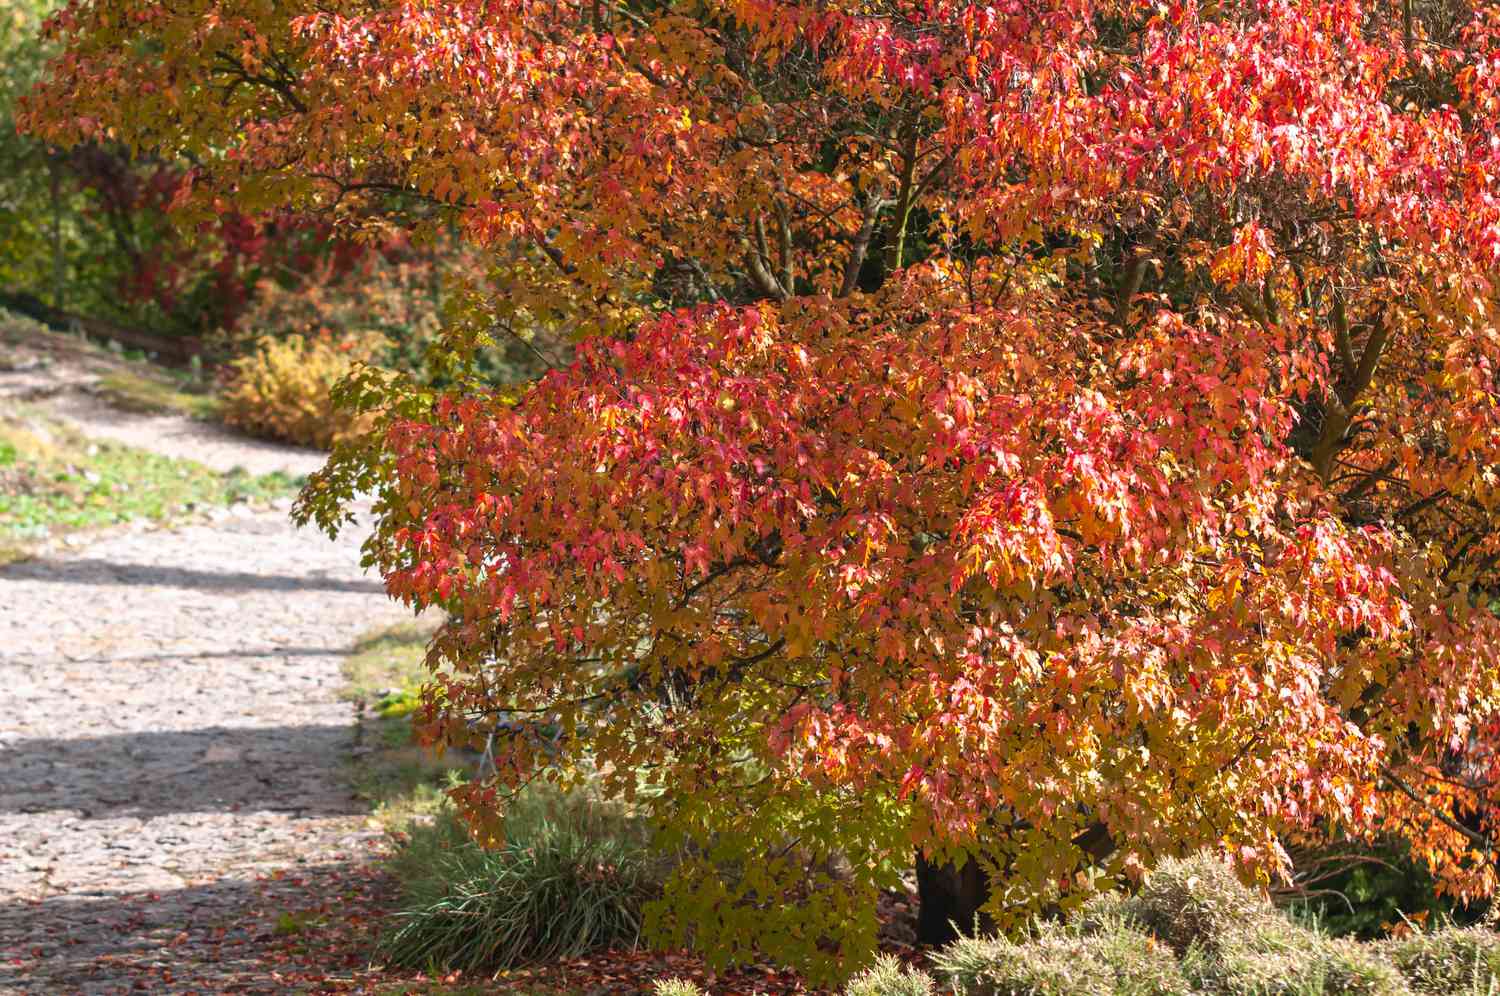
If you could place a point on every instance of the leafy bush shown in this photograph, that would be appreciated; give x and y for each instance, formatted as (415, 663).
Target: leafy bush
(282, 389)
(1451, 962)
(570, 878)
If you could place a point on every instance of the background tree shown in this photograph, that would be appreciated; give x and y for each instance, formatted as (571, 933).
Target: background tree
(29, 203)
(1050, 435)
(86, 229)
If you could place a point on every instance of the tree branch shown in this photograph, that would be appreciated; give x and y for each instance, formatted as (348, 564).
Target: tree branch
(861, 247)
(906, 196)
(760, 262)
(1130, 286)
(1443, 818)
(1339, 405)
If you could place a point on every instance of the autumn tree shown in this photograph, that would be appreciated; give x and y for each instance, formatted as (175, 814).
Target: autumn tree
(1051, 435)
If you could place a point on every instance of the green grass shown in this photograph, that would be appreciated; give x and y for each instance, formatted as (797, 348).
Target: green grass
(155, 393)
(55, 481)
(385, 660)
(402, 782)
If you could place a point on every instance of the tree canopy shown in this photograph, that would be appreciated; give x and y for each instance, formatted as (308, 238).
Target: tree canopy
(1058, 433)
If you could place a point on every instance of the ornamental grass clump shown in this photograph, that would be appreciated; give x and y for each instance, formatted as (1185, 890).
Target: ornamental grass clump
(570, 878)
(1451, 961)
(889, 977)
(1195, 901)
(1280, 958)
(1057, 961)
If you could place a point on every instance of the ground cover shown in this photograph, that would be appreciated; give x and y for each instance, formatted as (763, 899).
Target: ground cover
(54, 481)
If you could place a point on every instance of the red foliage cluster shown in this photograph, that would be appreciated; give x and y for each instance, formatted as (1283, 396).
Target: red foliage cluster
(1059, 433)
(201, 279)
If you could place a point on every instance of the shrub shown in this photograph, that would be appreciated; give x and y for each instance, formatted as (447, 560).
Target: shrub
(1451, 962)
(282, 388)
(570, 878)
(1119, 961)
(888, 977)
(675, 987)
(1279, 958)
(1194, 901)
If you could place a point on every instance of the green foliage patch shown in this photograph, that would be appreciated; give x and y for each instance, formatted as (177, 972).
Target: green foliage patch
(383, 675)
(1191, 929)
(386, 661)
(53, 481)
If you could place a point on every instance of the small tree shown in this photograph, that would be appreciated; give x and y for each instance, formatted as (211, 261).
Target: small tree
(1054, 435)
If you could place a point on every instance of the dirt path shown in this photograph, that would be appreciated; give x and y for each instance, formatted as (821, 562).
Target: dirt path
(171, 736)
(63, 374)
(182, 438)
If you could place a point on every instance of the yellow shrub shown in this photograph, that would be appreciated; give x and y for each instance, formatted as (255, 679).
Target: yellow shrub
(280, 388)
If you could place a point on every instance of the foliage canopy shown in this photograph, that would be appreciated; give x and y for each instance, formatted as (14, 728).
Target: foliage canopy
(1061, 432)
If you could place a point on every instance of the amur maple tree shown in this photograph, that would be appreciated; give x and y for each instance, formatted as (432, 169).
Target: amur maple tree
(1049, 434)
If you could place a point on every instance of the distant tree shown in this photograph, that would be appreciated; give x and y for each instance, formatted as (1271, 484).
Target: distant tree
(1047, 435)
(28, 196)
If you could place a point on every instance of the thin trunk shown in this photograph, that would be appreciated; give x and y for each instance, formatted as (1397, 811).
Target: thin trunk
(905, 197)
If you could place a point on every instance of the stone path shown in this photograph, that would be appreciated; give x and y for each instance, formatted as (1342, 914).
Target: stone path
(171, 730)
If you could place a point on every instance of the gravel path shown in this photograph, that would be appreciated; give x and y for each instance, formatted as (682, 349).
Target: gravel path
(171, 731)
(208, 443)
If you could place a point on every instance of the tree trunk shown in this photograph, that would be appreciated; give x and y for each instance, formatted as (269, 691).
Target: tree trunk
(948, 901)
